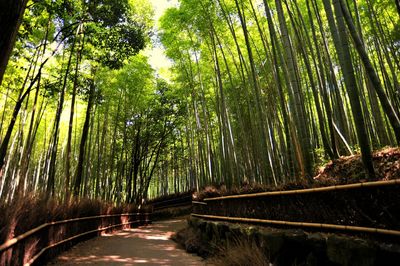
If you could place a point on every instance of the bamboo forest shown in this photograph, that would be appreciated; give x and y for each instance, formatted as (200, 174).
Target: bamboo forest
(254, 92)
(246, 132)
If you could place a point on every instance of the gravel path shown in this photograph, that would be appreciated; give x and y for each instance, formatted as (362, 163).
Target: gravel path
(147, 245)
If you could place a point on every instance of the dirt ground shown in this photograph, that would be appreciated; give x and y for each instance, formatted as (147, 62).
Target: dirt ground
(146, 245)
(344, 170)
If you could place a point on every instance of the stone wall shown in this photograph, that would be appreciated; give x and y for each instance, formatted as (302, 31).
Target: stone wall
(289, 246)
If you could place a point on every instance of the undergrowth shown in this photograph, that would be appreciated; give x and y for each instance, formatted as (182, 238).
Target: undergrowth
(25, 213)
(344, 170)
(238, 251)
(241, 252)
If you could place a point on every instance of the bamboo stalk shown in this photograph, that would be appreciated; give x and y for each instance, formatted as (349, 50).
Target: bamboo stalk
(309, 190)
(302, 224)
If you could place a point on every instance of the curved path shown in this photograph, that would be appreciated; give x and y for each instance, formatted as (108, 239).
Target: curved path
(146, 245)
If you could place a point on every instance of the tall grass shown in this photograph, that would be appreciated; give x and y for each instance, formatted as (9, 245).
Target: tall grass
(25, 213)
(241, 252)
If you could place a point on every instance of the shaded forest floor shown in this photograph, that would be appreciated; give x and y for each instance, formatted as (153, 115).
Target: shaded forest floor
(344, 170)
(349, 169)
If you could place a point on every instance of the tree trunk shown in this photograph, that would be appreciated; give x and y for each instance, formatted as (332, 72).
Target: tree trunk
(342, 46)
(11, 14)
(82, 146)
(17, 108)
(299, 113)
(54, 145)
(71, 119)
(262, 138)
(373, 77)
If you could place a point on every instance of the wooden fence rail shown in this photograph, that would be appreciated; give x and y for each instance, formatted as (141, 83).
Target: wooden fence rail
(347, 228)
(309, 190)
(29, 248)
(297, 206)
(176, 202)
(39, 244)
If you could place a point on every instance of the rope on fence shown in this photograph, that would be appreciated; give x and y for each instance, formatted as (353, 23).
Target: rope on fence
(199, 202)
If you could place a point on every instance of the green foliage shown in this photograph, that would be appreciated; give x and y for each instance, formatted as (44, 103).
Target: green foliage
(252, 98)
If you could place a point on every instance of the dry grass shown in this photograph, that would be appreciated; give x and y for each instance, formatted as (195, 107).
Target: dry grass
(23, 214)
(240, 253)
(26, 213)
(191, 241)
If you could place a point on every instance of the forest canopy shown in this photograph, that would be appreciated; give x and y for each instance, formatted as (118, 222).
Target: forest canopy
(258, 92)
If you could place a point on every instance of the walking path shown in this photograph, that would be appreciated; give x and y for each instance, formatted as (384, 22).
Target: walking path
(146, 245)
